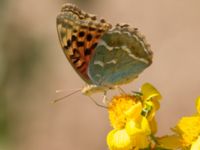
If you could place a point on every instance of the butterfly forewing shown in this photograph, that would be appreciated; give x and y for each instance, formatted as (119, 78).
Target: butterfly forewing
(79, 34)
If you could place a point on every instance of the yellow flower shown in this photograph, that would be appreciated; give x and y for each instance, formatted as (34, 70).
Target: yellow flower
(196, 144)
(198, 105)
(150, 92)
(130, 127)
(169, 142)
(119, 140)
(187, 133)
(117, 108)
(139, 131)
(189, 129)
(132, 118)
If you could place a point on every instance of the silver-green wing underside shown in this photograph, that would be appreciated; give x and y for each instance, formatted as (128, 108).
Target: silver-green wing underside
(120, 56)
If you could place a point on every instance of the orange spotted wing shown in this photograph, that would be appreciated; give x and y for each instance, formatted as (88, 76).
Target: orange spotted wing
(79, 33)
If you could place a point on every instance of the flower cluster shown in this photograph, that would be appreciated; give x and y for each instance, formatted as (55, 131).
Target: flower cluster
(187, 133)
(133, 119)
(134, 126)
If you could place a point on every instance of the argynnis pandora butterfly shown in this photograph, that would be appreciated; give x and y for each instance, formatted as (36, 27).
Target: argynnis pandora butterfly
(103, 56)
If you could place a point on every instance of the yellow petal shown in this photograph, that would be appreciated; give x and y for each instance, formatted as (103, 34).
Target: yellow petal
(153, 125)
(169, 142)
(198, 105)
(156, 104)
(133, 128)
(145, 126)
(117, 109)
(138, 127)
(196, 144)
(119, 140)
(141, 141)
(134, 111)
(150, 92)
(189, 129)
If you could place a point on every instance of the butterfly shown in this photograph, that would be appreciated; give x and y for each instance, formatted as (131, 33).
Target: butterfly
(105, 57)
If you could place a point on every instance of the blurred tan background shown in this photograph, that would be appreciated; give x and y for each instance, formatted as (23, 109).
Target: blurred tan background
(33, 67)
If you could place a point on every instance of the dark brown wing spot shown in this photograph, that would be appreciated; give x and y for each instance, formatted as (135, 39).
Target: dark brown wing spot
(76, 53)
(89, 37)
(74, 30)
(74, 38)
(100, 31)
(80, 43)
(103, 21)
(91, 29)
(94, 18)
(97, 36)
(84, 27)
(69, 43)
(66, 47)
(87, 51)
(93, 46)
(81, 34)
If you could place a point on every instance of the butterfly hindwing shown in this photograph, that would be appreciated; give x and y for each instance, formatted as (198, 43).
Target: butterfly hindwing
(79, 34)
(120, 56)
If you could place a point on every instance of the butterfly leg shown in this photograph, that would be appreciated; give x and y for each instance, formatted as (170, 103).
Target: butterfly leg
(137, 93)
(105, 99)
(121, 90)
(93, 100)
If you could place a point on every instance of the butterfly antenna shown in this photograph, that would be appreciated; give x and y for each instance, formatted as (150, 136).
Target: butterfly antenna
(60, 91)
(62, 98)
